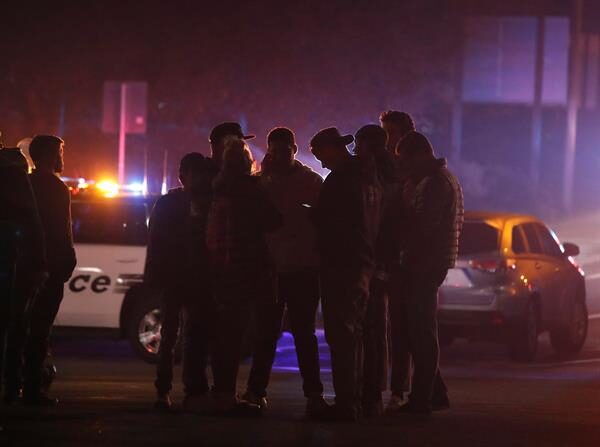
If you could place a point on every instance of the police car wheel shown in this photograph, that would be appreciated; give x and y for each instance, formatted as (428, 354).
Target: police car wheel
(144, 325)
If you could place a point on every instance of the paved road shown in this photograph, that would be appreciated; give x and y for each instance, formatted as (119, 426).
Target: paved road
(106, 396)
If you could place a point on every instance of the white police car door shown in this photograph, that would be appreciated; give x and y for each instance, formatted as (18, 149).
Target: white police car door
(110, 238)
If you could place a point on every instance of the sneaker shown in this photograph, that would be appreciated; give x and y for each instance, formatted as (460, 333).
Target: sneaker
(415, 409)
(440, 402)
(163, 402)
(315, 406)
(395, 403)
(249, 396)
(244, 409)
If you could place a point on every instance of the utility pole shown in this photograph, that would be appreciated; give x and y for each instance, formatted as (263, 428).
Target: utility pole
(122, 134)
(573, 101)
(456, 131)
(537, 109)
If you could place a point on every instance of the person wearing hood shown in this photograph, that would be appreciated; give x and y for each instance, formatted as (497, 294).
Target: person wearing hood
(176, 266)
(430, 249)
(22, 265)
(294, 189)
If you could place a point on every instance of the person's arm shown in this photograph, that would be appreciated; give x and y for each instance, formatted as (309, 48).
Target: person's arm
(314, 188)
(155, 251)
(69, 249)
(429, 202)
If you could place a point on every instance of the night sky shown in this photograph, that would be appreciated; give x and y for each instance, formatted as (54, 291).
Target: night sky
(307, 65)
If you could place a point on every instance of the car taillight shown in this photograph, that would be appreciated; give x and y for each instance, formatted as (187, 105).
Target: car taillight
(492, 265)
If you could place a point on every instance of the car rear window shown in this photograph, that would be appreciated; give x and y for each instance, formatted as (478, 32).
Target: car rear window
(110, 223)
(478, 237)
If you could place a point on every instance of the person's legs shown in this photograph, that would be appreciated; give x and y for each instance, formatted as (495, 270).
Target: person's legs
(15, 339)
(42, 314)
(171, 314)
(301, 291)
(400, 348)
(198, 334)
(375, 342)
(231, 323)
(268, 317)
(422, 302)
(344, 307)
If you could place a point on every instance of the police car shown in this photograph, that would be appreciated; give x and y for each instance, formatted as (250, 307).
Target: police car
(106, 291)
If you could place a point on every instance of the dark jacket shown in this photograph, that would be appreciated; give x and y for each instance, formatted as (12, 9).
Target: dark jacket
(347, 218)
(22, 237)
(54, 205)
(436, 216)
(240, 217)
(176, 251)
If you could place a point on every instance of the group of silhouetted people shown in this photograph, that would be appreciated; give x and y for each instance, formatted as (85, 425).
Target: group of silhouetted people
(235, 249)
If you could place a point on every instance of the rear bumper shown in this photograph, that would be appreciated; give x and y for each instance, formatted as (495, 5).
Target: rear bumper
(496, 313)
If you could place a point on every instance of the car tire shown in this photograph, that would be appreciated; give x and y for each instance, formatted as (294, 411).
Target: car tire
(524, 338)
(569, 339)
(144, 325)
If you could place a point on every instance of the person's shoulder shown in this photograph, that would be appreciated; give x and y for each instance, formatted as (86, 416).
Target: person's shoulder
(307, 172)
(43, 180)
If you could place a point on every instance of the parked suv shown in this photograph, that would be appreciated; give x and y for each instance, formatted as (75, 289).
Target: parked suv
(513, 281)
(106, 290)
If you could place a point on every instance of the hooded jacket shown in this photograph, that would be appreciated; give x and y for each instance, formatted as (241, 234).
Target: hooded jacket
(436, 216)
(293, 246)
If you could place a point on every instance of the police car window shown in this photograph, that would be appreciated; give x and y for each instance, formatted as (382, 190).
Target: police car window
(549, 244)
(478, 237)
(532, 238)
(518, 242)
(109, 223)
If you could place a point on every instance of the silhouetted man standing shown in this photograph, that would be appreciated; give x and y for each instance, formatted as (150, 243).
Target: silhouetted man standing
(22, 265)
(294, 189)
(54, 204)
(177, 266)
(396, 125)
(371, 151)
(347, 218)
(240, 216)
(430, 248)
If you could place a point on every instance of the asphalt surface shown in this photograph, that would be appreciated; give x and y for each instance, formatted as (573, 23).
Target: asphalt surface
(107, 394)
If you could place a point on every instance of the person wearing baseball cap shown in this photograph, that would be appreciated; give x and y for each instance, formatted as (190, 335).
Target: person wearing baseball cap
(218, 135)
(347, 219)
